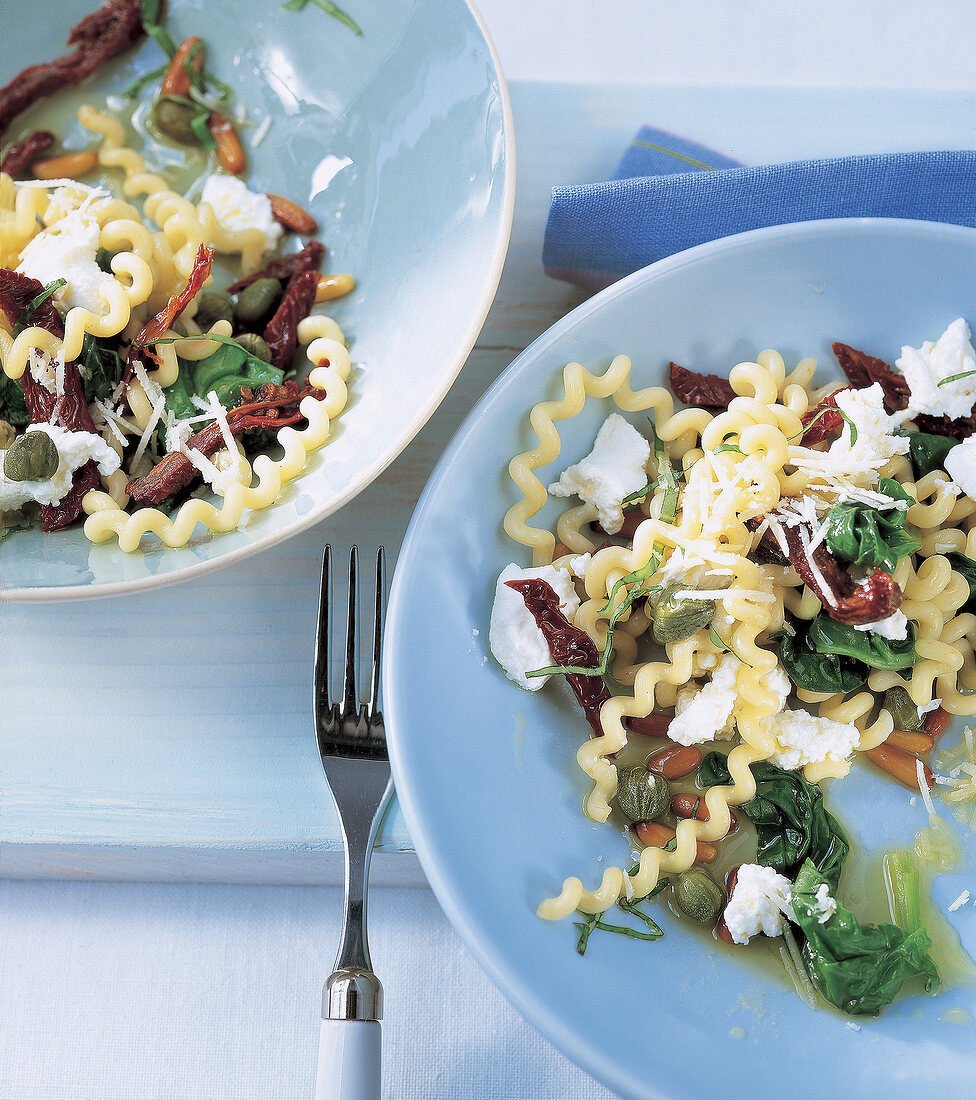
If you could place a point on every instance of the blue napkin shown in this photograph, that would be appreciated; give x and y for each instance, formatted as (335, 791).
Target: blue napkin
(668, 194)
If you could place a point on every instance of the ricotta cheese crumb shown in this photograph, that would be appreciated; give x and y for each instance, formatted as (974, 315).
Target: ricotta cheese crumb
(705, 714)
(67, 250)
(925, 367)
(760, 903)
(237, 207)
(960, 465)
(894, 628)
(516, 643)
(803, 738)
(613, 470)
(824, 905)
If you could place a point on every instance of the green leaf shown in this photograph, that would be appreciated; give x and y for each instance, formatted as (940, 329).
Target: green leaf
(829, 637)
(101, 368)
(13, 409)
(927, 451)
(792, 823)
(871, 536)
(818, 671)
(858, 968)
(337, 13)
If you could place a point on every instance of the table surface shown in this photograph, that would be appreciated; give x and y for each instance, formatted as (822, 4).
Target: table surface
(118, 990)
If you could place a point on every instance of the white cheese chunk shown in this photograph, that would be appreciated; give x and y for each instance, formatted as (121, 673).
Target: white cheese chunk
(66, 250)
(237, 207)
(824, 905)
(760, 903)
(516, 643)
(803, 738)
(894, 628)
(705, 714)
(925, 367)
(74, 450)
(610, 472)
(960, 464)
(872, 440)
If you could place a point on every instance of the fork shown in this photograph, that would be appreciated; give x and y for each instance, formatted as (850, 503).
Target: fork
(352, 745)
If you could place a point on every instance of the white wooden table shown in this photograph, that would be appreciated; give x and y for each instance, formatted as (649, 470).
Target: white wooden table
(194, 762)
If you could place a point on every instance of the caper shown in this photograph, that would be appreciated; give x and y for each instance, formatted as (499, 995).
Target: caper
(214, 306)
(257, 299)
(32, 457)
(902, 709)
(8, 433)
(255, 346)
(697, 896)
(172, 118)
(641, 795)
(676, 619)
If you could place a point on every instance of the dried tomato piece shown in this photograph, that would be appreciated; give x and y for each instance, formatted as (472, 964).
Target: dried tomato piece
(154, 328)
(19, 156)
(568, 645)
(824, 419)
(710, 391)
(288, 267)
(115, 26)
(864, 370)
(281, 334)
(846, 600)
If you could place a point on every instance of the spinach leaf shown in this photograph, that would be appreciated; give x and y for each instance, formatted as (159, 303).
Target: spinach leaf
(872, 536)
(815, 671)
(859, 968)
(926, 451)
(225, 372)
(965, 566)
(792, 823)
(12, 406)
(101, 368)
(827, 636)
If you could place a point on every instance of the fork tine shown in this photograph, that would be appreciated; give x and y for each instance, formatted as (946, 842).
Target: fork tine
(350, 693)
(323, 641)
(378, 615)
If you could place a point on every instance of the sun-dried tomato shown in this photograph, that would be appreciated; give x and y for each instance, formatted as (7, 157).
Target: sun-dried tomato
(154, 328)
(864, 370)
(286, 268)
(710, 391)
(568, 645)
(824, 420)
(848, 601)
(115, 26)
(281, 334)
(18, 157)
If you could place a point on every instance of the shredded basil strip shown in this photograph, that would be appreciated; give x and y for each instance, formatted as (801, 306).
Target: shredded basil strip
(151, 25)
(850, 424)
(198, 124)
(28, 311)
(137, 87)
(957, 377)
(330, 9)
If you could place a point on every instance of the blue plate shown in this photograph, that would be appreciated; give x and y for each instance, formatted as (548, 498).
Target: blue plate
(399, 141)
(486, 773)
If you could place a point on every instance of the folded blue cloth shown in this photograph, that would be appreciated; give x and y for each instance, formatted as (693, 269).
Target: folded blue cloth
(669, 194)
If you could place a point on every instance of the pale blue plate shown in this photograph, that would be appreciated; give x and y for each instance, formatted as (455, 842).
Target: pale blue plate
(399, 142)
(486, 773)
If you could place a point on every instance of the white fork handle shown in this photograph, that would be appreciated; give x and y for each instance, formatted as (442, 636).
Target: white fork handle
(349, 1060)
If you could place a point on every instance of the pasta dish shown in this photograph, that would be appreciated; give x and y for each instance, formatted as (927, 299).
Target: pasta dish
(761, 579)
(141, 388)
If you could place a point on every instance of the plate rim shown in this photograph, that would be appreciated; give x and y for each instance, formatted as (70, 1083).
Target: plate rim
(521, 994)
